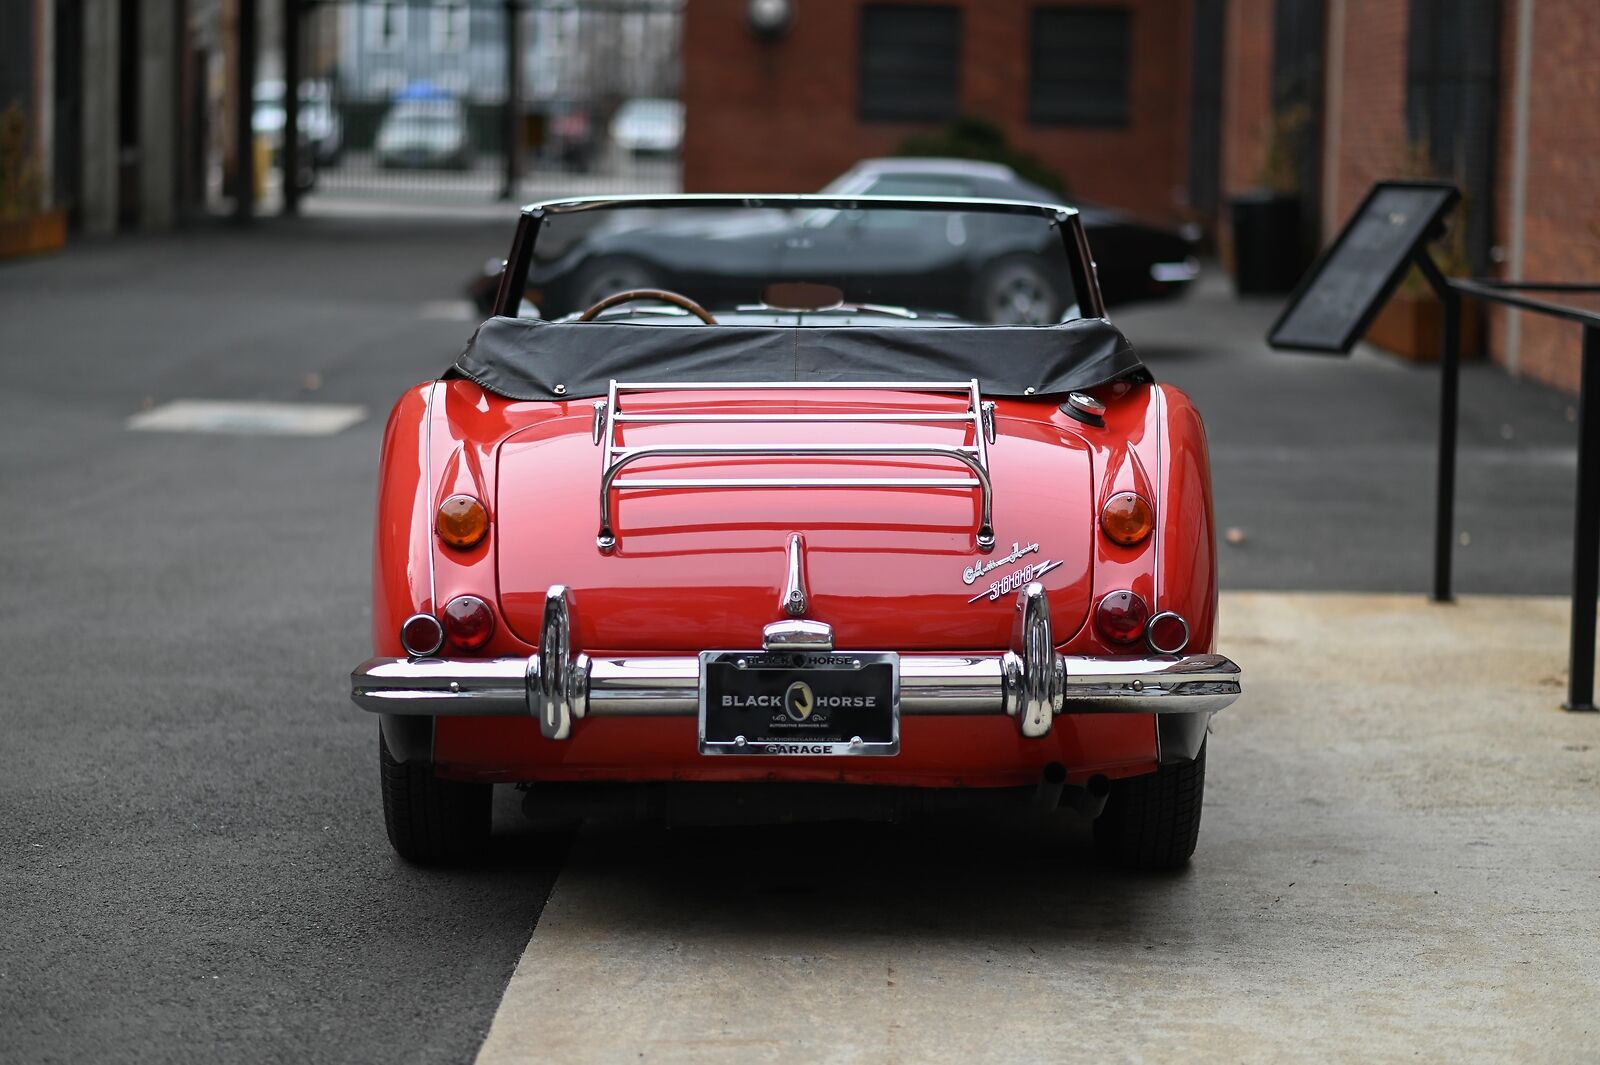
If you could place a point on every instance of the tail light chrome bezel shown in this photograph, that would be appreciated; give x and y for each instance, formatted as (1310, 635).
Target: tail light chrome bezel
(1166, 617)
(423, 624)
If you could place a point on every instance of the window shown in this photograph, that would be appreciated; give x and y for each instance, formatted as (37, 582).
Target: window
(1078, 66)
(450, 25)
(1452, 98)
(386, 25)
(910, 58)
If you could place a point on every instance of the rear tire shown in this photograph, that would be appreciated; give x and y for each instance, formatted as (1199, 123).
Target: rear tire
(1151, 823)
(433, 821)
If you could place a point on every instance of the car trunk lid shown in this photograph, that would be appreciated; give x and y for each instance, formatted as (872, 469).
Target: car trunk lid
(893, 566)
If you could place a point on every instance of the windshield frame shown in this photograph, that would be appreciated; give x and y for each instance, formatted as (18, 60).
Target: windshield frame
(1080, 264)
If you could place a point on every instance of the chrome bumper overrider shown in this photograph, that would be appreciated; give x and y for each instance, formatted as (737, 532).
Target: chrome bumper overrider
(1030, 682)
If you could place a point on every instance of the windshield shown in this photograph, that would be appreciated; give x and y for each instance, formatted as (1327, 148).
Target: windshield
(821, 258)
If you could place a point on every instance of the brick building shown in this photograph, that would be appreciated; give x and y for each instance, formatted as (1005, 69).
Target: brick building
(1495, 95)
(1169, 107)
(1099, 92)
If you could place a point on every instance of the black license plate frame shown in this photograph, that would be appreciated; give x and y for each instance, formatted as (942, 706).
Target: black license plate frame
(769, 716)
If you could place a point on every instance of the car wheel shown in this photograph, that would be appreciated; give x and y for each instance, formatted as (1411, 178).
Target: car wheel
(433, 821)
(1017, 291)
(1151, 823)
(604, 277)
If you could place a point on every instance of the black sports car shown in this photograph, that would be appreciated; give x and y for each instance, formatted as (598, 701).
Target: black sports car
(988, 267)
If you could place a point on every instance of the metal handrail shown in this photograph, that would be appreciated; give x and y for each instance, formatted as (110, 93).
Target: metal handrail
(610, 416)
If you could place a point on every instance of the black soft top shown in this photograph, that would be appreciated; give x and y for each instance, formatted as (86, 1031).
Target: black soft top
(531, 359)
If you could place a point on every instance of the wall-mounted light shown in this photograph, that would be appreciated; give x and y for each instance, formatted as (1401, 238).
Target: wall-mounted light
(769, 19)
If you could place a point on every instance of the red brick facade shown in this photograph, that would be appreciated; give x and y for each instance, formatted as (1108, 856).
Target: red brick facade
(1365, 140)
(1246, 94)
(781, 115)
(1561, 207)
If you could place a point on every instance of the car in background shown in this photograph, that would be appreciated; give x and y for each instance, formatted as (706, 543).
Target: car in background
(320, 129)
(425, 129)
(1135, 260)
(1005, 279)
(648, 126)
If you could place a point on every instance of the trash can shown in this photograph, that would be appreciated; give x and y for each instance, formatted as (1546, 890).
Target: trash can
(1266, 243)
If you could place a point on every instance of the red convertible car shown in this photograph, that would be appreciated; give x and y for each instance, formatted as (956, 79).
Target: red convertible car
(789, 549)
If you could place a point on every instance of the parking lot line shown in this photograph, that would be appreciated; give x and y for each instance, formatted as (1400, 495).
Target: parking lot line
(248, 417)
(1397, 862)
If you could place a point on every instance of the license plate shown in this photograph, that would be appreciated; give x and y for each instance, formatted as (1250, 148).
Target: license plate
(799, 702)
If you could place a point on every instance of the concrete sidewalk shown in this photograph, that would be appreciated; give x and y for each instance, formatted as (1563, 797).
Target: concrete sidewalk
(1397, 864)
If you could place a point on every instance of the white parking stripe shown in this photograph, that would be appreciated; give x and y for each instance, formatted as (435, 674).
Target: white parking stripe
(248, 418)
(1398, 838)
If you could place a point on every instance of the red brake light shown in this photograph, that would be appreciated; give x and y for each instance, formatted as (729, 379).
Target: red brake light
(1167, 633)
(468, 621)
(421, 635)
(1121, 617)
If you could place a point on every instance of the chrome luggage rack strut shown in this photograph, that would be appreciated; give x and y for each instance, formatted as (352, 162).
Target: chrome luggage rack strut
(609, 417)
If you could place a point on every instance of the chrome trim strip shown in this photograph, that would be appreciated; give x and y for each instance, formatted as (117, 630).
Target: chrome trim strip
(617, 456)
(930, 685)
(621, 458)
(802, 482)
(794, 599)
(749, 386)
(735, 419)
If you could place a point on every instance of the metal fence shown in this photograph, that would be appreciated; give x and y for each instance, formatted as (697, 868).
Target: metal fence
(475, 100)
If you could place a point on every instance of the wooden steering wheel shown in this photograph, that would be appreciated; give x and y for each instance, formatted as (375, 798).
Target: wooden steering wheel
(659, 294)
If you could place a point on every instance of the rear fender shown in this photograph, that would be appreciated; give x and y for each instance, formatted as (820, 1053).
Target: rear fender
(402, 564)
(1185, 538)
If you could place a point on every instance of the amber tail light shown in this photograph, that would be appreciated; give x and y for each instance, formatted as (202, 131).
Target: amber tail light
(468, 622)
(1127, 519)
(462, 522)
(1121, 617)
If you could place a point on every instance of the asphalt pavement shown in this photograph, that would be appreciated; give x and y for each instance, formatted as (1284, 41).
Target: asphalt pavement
(191, 843)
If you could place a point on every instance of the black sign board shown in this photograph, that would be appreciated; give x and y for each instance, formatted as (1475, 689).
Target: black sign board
(1344, 290)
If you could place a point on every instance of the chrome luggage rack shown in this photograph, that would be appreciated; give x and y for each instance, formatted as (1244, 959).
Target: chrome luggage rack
(610, 416)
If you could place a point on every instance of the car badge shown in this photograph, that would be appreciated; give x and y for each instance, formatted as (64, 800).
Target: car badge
(1014, 580)
(984, 565)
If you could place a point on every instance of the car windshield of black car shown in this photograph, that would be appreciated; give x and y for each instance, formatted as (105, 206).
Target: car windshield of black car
(979, 266)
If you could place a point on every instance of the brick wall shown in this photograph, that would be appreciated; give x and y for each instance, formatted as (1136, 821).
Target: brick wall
(780, 116)
(1246, 94)
(1561, 219)
(1561, 216)
(1371, 82)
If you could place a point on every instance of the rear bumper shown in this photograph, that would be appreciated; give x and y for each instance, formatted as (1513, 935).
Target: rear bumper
(670, 687)
(1030, 683)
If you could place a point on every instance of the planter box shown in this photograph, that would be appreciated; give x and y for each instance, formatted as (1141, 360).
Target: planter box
(30, 236)
(1411, 325)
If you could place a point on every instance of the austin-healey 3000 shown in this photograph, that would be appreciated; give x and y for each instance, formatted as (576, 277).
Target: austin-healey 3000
(801, 536)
